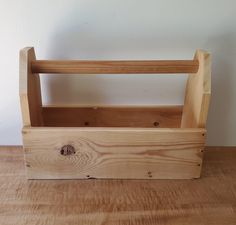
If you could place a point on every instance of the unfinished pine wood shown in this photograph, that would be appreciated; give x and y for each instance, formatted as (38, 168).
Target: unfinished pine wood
(128, 153)
(209, 200)
(129, 143)
(29, 90)
(114, 67)
(198, 92)
(153, 117)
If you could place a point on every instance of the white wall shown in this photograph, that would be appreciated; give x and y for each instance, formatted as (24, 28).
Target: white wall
(112, 29)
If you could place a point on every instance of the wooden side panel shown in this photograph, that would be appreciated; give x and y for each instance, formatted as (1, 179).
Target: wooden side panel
(165, 116)
(30, 92)
(114, 153)
(197, 95)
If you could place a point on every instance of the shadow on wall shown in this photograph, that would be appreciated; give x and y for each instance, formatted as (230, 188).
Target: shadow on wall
(223, 51)
(72, 89)
(81, 43)
(107, 89)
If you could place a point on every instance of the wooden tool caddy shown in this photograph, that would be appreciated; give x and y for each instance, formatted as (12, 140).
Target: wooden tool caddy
(68, 142)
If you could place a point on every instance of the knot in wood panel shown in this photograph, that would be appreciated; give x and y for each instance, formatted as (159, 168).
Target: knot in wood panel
(67, 150)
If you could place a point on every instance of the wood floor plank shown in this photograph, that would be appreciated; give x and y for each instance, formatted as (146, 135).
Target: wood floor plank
(208, 200)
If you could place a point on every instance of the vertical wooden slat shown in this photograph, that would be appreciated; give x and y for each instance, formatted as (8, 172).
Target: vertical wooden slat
(30, 91)
(197, 95)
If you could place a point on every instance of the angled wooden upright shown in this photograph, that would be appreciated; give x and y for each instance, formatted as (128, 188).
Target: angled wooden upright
(197, 94)
(30, 91)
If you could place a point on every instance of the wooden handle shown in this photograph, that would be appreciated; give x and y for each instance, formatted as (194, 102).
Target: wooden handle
(114, 67)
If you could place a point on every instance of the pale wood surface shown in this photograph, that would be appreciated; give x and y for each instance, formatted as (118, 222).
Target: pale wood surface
(138, 153)
(165, 116)
(114, 67)
(198, 92)
(108, 153)
(29, 90)
(210, 200)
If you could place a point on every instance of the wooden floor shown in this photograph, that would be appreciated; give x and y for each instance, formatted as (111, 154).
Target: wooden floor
(210, 200)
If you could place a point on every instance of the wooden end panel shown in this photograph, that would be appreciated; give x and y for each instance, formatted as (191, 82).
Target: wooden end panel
(29, 90)
(164, 117)
(131, 153)
(197, 94)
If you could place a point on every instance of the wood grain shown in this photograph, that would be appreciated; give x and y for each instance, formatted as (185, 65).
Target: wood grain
(208, 200)
(197, 94)
(153, 117)
(114, 67)
(150, 143)
(122, 153)
(29, 90)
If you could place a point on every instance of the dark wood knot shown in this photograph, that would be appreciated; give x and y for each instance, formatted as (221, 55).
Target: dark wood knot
(67, 150)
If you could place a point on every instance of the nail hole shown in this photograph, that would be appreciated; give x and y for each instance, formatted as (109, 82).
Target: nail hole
(199, 164)
(86, 123)
(156, 124)
(88, 176)
(203, 134)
